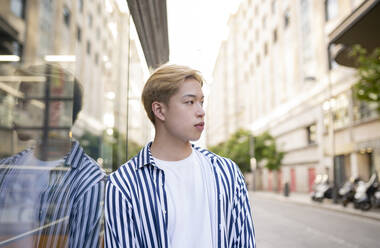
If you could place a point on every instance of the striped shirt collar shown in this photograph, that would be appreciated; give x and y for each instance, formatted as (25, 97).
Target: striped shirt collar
(74, 157)
(144, 157)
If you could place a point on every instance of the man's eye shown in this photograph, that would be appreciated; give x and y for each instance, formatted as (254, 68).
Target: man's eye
(190, 102)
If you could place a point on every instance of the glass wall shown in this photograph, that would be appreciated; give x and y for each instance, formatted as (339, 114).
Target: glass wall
(71, 75)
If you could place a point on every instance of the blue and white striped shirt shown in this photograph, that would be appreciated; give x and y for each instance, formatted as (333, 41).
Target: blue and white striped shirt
(65, 210)
(136, 204)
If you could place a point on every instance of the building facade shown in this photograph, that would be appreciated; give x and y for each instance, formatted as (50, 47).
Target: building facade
(276, 59)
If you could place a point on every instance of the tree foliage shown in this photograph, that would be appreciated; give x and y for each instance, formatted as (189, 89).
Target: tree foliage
(91, 144)
(238, 145)
(368, 86)
(112, 148)
(266, 152)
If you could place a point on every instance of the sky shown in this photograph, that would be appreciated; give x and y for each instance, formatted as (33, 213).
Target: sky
(196, 29)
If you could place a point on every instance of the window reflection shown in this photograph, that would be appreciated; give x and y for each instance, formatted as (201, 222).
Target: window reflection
(44, 154)
(51, 192)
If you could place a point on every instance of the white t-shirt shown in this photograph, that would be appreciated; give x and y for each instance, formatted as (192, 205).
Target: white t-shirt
(190, 220)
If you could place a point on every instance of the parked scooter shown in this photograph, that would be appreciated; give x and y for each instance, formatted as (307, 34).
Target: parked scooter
(347, 191)
(376, 198)
(322, 188)
(365, 192)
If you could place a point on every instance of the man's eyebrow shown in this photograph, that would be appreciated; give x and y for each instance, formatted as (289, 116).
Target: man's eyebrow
(192, 95)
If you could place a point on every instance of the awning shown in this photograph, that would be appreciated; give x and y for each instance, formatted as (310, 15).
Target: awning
(150, 18)
(360, 27)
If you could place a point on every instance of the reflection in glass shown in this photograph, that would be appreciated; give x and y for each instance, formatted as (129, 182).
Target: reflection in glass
(51, 192)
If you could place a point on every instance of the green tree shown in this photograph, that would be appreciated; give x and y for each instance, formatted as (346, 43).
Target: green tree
(266, 151)
(368, 65)
(119, 149)
(237, 149)
(111, 148)
(91, 144)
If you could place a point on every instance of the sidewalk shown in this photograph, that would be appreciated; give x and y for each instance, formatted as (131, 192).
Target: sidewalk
(304, 199)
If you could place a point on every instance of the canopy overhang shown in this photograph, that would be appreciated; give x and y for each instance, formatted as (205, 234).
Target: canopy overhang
(361, 27)
(150, 18)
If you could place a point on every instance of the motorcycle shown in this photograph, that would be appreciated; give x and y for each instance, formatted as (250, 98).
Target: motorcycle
(322, 188)
(376, 199)
(365, 192)
(347, 191)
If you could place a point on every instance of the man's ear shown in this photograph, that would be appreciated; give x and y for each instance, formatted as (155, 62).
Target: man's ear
(158, 109)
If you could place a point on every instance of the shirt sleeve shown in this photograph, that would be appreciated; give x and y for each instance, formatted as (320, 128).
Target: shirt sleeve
(119, 231)
(243, 222)
(85, 227)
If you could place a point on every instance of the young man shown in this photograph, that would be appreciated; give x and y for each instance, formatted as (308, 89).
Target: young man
(51, 193)
(174, 194)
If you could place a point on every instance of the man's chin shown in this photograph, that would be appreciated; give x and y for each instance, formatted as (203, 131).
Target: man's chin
(195, 138)
(24, 136)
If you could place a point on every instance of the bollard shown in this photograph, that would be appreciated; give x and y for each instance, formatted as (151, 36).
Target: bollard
(286, 189)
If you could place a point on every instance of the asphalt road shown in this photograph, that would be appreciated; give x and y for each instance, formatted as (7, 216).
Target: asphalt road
(286, 224)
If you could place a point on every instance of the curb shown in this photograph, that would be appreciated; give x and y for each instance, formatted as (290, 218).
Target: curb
(328, 206)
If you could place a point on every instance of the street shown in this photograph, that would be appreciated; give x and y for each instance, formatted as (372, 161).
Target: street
(286, 224)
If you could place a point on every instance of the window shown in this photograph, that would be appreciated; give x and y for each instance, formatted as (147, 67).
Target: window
(66, 16)
(275, 36)
(266, 49)
(104, 45)
(88, 47)
(311, 134)
(18, 8)
(340, 112)
(339, 109)
(264, 21)
(80, 6)
(306, 34)
(246, 55)
(97, 33)
(244, 13)
(99, 9)
(258, 60)
(363, 111)
(79, 34)
(331, 9)
(96, 58)
(286, 18)
(90, 20)
(273, 6)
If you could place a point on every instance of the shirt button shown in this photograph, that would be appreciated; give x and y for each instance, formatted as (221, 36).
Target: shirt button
(164, 211)
(220, 196)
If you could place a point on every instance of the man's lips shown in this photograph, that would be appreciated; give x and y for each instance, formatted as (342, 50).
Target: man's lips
(200, 125)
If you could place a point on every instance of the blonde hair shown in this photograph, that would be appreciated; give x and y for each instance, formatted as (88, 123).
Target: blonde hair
(164, 83)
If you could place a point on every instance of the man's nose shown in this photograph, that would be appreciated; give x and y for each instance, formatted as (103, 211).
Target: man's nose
(200, 111)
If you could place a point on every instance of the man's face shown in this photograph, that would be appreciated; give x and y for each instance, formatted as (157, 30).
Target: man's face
(184, 115)
(28, 114)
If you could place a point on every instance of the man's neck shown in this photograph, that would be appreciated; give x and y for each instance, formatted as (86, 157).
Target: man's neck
(54, 149)
(170, 149)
